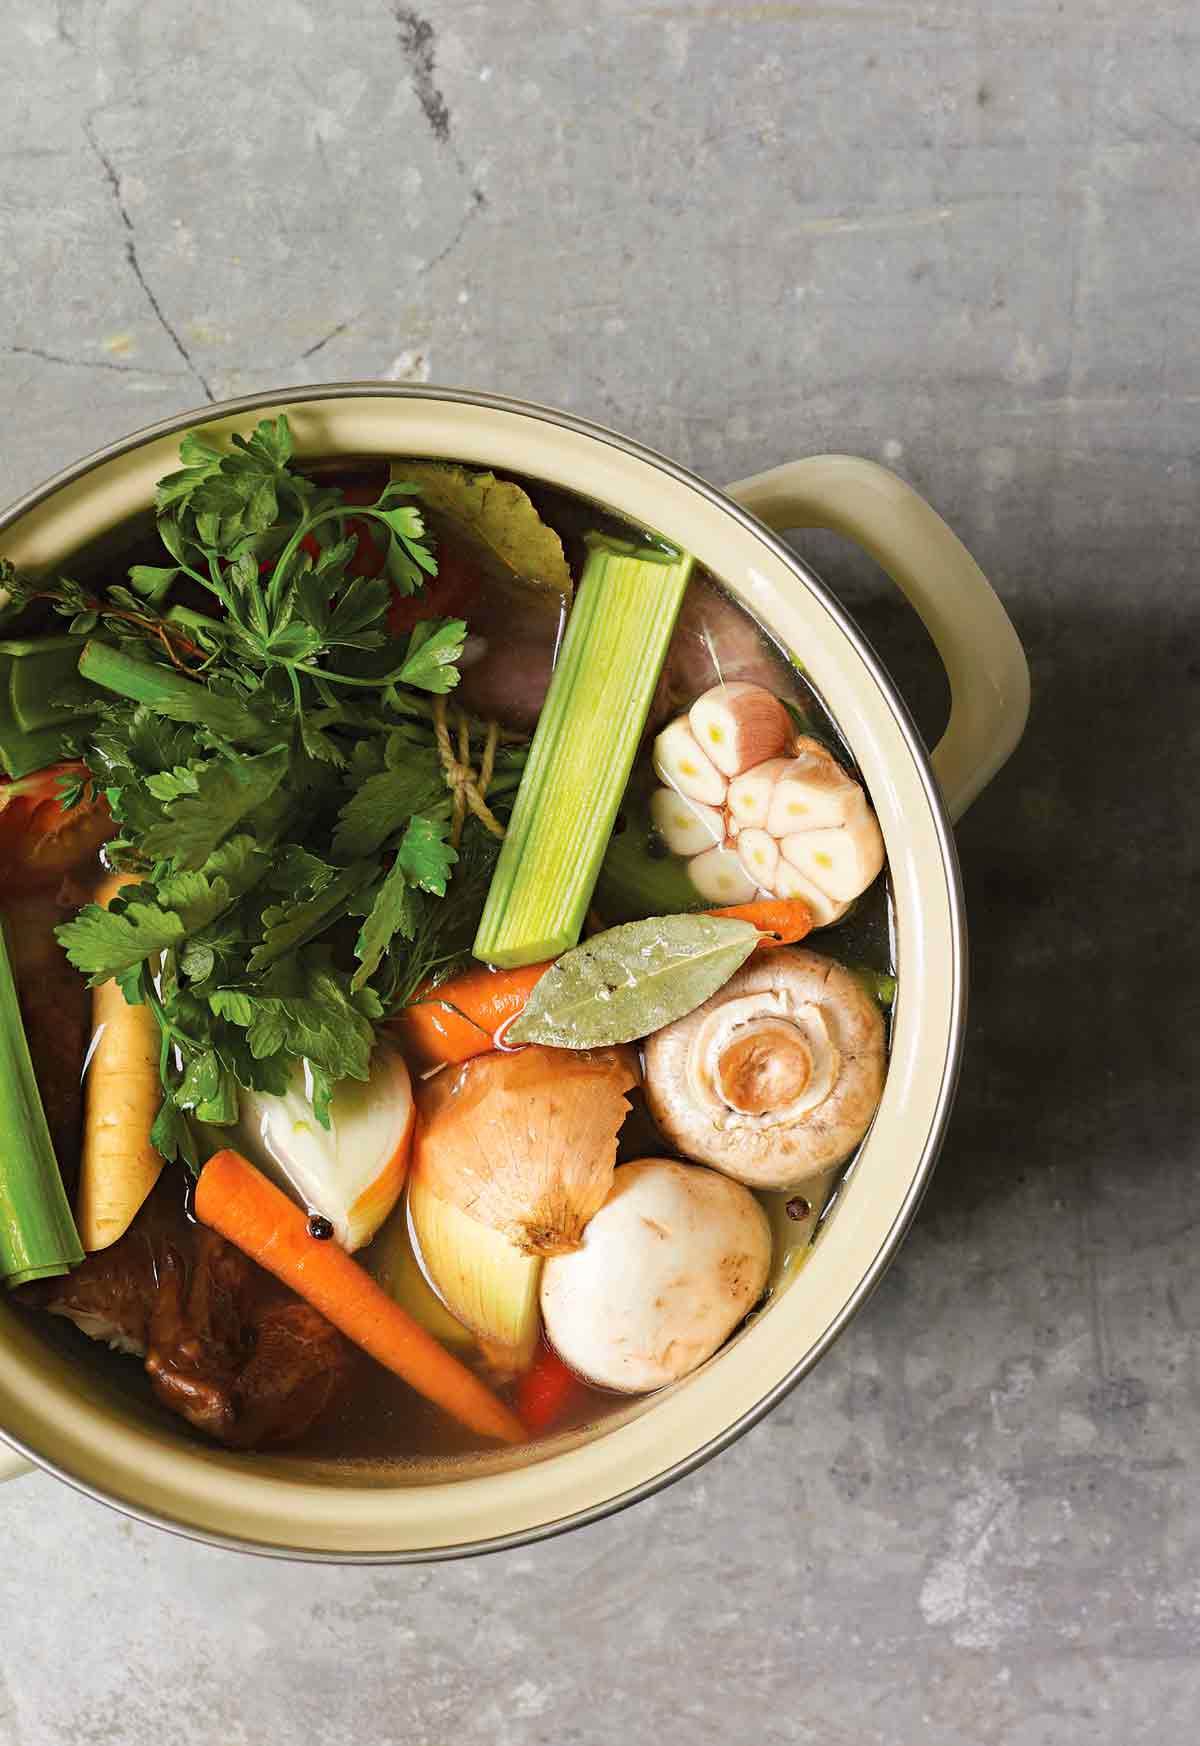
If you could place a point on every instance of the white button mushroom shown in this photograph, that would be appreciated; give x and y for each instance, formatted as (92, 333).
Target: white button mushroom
(739, 725)
(680, 764)
(686, 826)
(776, 1077)
(671, 1263)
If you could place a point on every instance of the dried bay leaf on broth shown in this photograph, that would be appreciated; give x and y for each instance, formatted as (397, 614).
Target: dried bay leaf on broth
(631, 980)
(494, 520)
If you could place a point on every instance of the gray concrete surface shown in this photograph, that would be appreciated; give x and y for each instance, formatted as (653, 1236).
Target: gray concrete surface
(957, 236)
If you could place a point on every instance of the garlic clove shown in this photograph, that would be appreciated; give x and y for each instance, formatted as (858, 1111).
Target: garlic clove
(842, 862)
(790, 882)
(720, 878)
(739, 725)
(687, 827)
(749, 798)
(679, 763)
(759, 854)
(813, 793)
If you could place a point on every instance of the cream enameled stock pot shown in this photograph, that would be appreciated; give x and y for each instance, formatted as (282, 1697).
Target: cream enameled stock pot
(72, 1423)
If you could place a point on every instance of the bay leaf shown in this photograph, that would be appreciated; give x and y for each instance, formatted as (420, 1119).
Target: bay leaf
(494, 519)
(631, 980)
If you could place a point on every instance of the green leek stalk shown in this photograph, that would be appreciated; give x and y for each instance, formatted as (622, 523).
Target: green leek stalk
(38, 1238)
(22, 754)
(583, 750)
(42, 702)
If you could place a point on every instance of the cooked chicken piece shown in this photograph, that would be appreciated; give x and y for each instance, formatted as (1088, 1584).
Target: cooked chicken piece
(243, 1368)
(224, 1345)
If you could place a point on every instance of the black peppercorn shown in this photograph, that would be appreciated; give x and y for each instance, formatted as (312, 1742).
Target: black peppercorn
(320, 1228)
(797, 1208)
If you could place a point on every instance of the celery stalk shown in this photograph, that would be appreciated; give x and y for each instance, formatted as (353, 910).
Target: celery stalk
(583, 750)
(38, 1238)
(172, 694)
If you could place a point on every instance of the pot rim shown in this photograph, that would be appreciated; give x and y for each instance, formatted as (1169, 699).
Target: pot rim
(930, 1145)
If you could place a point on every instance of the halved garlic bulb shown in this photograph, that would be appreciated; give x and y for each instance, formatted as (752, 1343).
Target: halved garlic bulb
(751, 821)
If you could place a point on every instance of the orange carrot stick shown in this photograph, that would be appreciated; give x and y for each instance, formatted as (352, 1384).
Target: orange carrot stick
(237, 1201)
(784, 919)
(460, 1017)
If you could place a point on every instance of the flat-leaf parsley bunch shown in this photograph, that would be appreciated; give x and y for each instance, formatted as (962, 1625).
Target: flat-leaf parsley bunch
(268, 755)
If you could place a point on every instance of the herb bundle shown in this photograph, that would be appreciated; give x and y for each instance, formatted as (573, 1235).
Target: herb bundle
(269, 757)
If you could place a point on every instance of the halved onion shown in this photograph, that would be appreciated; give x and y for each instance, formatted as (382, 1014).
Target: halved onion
(351, 1172)
(485, 1282)
(526, 1142)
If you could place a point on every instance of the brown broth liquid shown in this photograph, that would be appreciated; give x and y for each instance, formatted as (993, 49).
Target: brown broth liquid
(377, 1419)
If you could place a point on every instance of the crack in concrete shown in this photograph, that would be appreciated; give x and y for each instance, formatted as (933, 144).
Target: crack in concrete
(478, 202)
(134, 264)
(66, 22)
(418, 44)
(80, 363)
(322, 343)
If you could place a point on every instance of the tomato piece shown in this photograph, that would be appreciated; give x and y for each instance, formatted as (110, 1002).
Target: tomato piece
(547, 1392)
(445, 595)
(370, 555)
(40, 840)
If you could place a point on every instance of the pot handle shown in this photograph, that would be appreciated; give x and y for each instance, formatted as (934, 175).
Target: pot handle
(12, 1465)
(980, 650)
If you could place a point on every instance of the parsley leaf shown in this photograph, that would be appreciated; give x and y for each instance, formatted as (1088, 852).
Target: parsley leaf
(226, 790)
(289, 925)
(433, 648)
(102, 942)
(393, 912)
(385, 802)
(425, 853)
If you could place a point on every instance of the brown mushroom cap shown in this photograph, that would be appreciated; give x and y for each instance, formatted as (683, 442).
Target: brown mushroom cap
(777, 1077)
